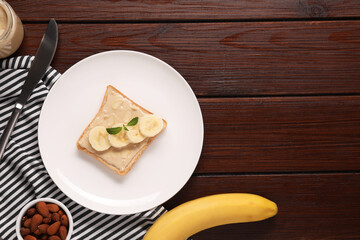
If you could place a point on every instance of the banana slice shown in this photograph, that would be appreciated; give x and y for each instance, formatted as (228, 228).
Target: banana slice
(134, 134)
(120, 139)
(150, 125)
(98, 138)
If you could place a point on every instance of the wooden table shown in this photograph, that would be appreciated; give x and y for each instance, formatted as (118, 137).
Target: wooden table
(279, 86)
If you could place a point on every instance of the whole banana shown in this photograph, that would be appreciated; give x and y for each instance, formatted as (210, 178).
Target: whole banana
(206, 212)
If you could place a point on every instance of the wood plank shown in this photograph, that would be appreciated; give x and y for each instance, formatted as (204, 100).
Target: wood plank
(281, 134)
(112, 10)
(324, 206)
(228, 59)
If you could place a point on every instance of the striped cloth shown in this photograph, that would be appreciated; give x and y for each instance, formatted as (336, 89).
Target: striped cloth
(23, 176)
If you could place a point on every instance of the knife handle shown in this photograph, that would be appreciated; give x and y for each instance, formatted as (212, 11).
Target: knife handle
(9, 128)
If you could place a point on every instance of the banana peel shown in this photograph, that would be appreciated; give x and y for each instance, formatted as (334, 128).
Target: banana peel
(197, 215)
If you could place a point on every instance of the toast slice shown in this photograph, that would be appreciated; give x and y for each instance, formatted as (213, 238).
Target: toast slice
(116, 108)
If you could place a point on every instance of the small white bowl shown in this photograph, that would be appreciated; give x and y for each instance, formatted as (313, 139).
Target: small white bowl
(33, 204)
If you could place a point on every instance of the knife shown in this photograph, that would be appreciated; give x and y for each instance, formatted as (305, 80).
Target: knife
(41, 62)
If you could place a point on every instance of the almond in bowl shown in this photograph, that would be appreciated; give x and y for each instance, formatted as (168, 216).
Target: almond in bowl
(120, 132)
(44, 218)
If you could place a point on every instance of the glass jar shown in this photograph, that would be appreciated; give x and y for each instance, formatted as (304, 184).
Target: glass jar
(11, 30)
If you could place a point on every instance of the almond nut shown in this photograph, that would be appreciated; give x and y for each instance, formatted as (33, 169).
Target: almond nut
(29, 237)
(30, 212)
(24, 231)
(37, 232)
(54, 237)
(47, 220)
(61, 212)
(42, 209)
(62, 232)
(53, 228)
(35, 222)
(43, 228)
(64, 220)
(52, 207)
(27, 222)
(55, 217)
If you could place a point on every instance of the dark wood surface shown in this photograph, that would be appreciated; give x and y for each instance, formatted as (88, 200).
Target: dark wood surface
(280, 134)
(228, 59)
(165, 10)
(279, 87)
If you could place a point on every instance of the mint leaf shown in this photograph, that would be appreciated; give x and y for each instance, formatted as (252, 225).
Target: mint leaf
(133, 121)
(114, 130)
(125, 128)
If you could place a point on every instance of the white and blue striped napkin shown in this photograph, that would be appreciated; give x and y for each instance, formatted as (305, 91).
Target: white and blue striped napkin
(23, 176)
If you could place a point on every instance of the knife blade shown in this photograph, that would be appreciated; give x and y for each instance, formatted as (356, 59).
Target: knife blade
(39, 65)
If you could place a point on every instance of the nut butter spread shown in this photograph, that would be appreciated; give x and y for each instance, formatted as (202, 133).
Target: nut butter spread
(115, 109)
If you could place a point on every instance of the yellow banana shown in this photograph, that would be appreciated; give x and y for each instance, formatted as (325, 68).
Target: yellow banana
(206, 212)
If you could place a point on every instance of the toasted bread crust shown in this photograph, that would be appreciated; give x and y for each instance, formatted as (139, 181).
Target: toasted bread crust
(134, 160)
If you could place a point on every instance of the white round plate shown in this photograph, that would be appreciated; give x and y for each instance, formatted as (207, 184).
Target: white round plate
(165, 166)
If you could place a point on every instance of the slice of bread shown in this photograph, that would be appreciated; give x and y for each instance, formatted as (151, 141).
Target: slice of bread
(116, 108)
